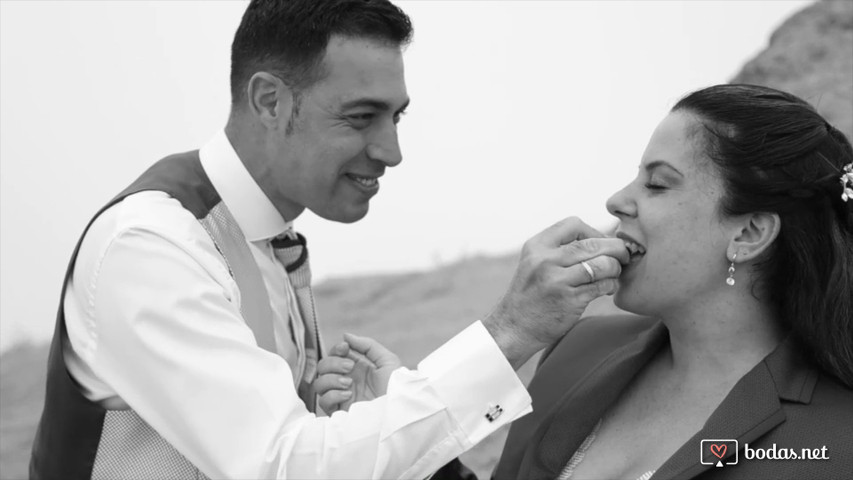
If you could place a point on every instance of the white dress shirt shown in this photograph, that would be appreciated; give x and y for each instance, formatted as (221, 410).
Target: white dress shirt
(154, 324)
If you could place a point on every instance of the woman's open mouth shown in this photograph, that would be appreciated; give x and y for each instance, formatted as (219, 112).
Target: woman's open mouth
(635, 249)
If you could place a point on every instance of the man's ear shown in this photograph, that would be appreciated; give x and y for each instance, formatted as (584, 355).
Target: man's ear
(270, 100)
(756, 233)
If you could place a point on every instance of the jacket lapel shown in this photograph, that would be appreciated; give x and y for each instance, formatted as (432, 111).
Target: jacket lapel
(573, 417)
(749, 411)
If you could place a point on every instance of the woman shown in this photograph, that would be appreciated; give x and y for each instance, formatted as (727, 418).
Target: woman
(740, 231)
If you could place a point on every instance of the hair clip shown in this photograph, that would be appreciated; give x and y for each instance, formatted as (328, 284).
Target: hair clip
(847, 182)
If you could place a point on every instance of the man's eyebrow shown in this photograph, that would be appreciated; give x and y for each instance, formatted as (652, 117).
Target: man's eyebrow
(372, 103)
(661, 163)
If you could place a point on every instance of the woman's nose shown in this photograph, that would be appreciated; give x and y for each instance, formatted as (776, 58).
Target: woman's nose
(621, 204)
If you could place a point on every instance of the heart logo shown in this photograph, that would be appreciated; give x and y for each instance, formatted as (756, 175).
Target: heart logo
(718, 450)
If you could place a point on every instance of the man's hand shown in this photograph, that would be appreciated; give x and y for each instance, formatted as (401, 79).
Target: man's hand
(552, 288)
(355, 370)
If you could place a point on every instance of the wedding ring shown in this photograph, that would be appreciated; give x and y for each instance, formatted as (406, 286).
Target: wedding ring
(589, 271)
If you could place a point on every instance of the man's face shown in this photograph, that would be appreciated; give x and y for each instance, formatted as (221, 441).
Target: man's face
(344, 134)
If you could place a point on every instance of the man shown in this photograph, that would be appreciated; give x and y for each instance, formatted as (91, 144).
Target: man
(186, 341)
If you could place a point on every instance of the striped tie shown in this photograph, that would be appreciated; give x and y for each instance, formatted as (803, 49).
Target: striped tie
(292, 251)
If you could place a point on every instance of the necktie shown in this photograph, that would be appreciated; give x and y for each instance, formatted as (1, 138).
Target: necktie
(292, 251)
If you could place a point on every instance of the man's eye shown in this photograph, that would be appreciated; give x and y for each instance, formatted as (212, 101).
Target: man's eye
(655, 186)
(398, 116)
(360, 120)
(361, 117)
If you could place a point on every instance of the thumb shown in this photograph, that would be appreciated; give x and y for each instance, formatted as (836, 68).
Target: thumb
(339, 350)
(373, 350)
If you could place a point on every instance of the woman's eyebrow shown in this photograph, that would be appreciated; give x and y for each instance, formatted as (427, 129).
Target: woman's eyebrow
(655, 164)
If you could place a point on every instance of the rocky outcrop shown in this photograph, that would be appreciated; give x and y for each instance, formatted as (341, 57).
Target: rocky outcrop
(811, 56)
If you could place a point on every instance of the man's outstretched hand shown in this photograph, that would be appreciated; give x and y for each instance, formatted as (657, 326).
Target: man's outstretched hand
(561, 270)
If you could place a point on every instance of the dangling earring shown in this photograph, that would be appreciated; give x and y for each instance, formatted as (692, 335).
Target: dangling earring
(731, 280)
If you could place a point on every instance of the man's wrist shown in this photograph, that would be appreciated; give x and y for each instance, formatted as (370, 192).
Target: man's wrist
(516, 348)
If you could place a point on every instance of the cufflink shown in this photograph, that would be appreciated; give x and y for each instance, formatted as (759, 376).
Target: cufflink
(494, 412)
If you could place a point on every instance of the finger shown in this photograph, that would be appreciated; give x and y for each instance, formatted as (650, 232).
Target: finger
(329, 382)
(566, 231)
(331, 401)
(590, 291)
(373, 350)
(589, 248)
(340, 349)
(603, 267)
(335, 365)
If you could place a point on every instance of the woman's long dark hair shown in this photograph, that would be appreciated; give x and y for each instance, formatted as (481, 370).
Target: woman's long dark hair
(777, 154)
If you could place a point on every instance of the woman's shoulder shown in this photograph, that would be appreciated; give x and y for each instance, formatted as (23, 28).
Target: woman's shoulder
(597, 335)
(818, 426)
(817, 407)
(583, 348)
(806, 389)
(628, 324)
(566, 363)
(831, 400)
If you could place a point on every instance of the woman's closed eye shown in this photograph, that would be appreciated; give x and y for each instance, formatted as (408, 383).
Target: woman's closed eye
(655, 187)
(660, 176)
(658, 182)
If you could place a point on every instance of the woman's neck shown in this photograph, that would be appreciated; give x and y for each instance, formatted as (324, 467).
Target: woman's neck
(721, 344)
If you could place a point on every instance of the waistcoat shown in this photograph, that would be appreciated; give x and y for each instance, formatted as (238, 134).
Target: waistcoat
(78, 438)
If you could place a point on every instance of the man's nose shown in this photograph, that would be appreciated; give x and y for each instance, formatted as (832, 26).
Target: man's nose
(385, 147)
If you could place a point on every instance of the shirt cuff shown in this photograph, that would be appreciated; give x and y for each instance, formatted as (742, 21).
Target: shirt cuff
(476, 382)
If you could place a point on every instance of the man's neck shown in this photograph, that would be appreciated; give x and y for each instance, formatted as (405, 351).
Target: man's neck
(250, 146)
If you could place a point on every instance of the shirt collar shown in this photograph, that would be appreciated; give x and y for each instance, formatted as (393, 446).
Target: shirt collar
(253, 211)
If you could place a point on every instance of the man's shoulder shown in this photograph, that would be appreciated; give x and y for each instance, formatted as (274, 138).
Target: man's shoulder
(183, 177)
(150, 211)
(148, 217)
(142, 206)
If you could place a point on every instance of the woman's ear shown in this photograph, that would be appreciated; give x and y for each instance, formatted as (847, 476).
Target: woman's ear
(755, 235)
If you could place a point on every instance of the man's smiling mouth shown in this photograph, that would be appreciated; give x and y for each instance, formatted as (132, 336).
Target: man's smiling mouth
(368, 182)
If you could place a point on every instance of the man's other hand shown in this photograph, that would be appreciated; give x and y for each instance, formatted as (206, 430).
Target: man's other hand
(355, 370)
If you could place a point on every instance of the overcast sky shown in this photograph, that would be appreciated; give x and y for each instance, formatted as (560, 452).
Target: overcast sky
(522, 113)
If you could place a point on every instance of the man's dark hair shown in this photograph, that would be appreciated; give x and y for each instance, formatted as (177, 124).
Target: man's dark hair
(288, 38)
(777, 154)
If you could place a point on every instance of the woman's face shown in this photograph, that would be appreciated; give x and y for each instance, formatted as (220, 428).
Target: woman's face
(670, 213)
